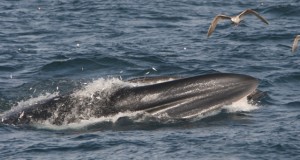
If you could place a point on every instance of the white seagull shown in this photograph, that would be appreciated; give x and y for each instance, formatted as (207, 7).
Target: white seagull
(234, 19)
(295, 44)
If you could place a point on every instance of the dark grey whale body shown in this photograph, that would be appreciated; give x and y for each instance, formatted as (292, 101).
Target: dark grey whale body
(179, 98)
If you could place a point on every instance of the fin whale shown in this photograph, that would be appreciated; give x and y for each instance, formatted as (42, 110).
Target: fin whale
(175, 97)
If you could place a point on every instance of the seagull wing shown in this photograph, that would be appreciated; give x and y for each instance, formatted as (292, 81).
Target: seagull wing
(215, 22)
(295, 44)
(249, 11)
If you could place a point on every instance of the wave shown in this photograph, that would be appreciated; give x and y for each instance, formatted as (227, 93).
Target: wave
(284, 10)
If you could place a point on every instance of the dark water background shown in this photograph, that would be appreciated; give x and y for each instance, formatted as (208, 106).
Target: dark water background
(58, 45)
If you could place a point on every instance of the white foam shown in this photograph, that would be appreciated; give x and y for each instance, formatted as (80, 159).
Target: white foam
(205, 114)
(84, 123)
(35, 100)
(240, 106)
(100, 85)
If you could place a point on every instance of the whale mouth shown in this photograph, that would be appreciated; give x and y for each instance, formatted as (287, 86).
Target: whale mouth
(194, 96)
(107, 99)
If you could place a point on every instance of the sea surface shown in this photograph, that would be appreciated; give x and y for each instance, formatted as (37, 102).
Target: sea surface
(60, 46)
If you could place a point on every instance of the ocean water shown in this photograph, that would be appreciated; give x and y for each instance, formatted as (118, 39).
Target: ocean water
(60, 46)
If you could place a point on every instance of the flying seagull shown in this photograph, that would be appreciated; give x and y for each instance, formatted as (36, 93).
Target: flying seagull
(234, 19)
(295, 44)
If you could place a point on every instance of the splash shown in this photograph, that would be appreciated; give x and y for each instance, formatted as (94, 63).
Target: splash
(101, 85)
(241, 106)
(84, 104)
(34, 100)
(89, 102)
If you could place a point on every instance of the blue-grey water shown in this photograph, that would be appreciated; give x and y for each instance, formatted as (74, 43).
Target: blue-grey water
(58, 46)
